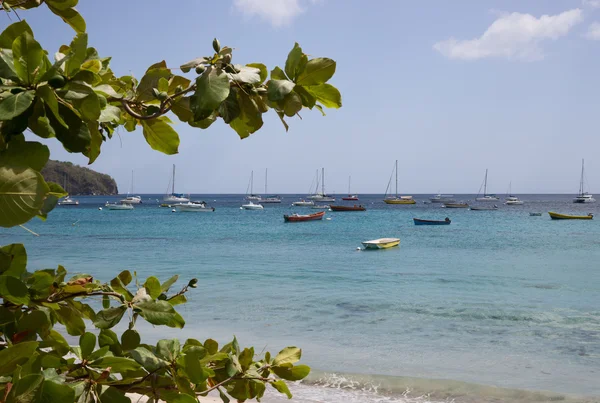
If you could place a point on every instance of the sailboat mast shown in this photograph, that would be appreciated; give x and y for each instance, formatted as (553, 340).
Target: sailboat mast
(581, 181)
(349, 178)
(266, 169)
(252, 183)
(173, 189)
(396, 179)
(485, 184)
(323, 181)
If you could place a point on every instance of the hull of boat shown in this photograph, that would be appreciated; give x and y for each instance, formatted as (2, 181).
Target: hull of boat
(419, 221)
(535, 214)
(399, 201)
(195, 209)
(487, 199)
(514, 203)
(304, 217)
(350, 198)
(73, 203)
(483, 208)
(252, 207)
(347, 208)
(557, 216)
(253, 198)
(176, 199)
(318, 198)
(584, 200)
(131, 201)
(119, 206)
(456, 205)
(270, 201)
(303, 204)
(320, 207)
(382, 243)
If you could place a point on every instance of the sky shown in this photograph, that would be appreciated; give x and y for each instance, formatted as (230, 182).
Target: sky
(449, 89)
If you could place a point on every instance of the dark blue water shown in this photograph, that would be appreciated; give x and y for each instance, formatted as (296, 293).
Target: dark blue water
(497, 297)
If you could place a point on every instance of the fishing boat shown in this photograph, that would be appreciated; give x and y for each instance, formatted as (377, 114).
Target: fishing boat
(359, 207)
(131, 199)
(486, 197)
(557, 216)
(175, 197)
(535, 214)
(321, 196)
(440, 198)
(252, 206)
(195, 206)
(251, 195)
(483, 208)
(582, 196)
(389, 199)
(272, 198)
(419, 221)
(350, 196)
(510, 199)
(118, 206)
(303, 203)
(303, 217)
(381, 243)
(455, 205)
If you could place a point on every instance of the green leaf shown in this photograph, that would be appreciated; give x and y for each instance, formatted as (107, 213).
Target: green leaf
(193, 368)
(110, 394)
(28, 58)
(245, 74)
(26, 389)
(17, 354)
(76, 138)
(7, 65)
(211, 346)
(147, 359)
(90, 108)
(212, 88)
(150, 81)
(130, 339)
(15, 104)
(71, 318)
(160, 313)
(12, 32)
(278, 89)
(29, 154)
(250, 119)
(108, 318)
(87, 343)
(22, 193)
(186, 67)
(125, 277)
(168, 349)
(153, 287)
(182, 398)
(107, 337)
(263, 73)
(39, 122)
(117, 284)
(288, 355)
(292, 104)
(278, 74)
(13, 260)
(78, 54)
(70, 16)
(293, 62)
(230, 109)
(53, 392)
(118, 364)
(177, 300)
(326, 94)
(167, 284)
(96, 142)
(161, 136)
(317, 71)
(282, 387)
(110, 113)
(308, 99)
(47, 94)
(181, 108)
(295, 373)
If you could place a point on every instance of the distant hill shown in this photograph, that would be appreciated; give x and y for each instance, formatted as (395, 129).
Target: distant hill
(79, 180)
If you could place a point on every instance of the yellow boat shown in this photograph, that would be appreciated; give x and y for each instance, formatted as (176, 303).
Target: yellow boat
(396, 199)
(381, 243)
(557, 216)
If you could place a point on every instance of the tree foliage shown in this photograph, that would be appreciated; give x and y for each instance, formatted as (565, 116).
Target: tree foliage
(78, 100)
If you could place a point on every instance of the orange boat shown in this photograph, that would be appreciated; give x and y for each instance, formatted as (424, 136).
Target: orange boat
(303, 217)
(359, 207)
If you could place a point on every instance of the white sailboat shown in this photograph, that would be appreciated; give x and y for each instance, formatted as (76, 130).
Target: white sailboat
(322, 196)
(175, 197)
(352, 197)
(389, 199)
(272, 198)
(582, 196)
(251, 195)
(130, 199)
(512, 200)
(67, 200)
(486, 197)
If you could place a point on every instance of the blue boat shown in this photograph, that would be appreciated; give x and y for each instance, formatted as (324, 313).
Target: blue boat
(419, 221)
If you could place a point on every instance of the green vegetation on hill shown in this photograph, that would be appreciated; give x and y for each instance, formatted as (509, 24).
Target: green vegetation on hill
(78, 180)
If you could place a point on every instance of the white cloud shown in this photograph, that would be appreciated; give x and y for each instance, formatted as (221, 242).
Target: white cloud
(593, 31)
(512, 36)
(277, 12)
(592, 3)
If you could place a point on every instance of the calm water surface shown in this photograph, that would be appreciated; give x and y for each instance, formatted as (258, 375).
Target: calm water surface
(496, 298)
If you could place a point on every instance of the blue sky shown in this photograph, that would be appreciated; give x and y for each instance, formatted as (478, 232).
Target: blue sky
(447, 88)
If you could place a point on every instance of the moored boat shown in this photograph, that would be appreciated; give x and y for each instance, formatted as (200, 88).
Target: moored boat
(175, 197)
(389, 199)
(67, 201)
(303, 217)
(251, 195)
(350, 197)
(194, 206)
(381, 243)
(272, 198)
(419, 221)
(558, 216)
(483, 208)
(303, 203)
(322, 196)
(486, 197)
(252, 206)
(535, 214)
(455, 205)
(118, 206)
(132, 200)
(582, 196)
(359, 207)
(320, 207)
(440, 198)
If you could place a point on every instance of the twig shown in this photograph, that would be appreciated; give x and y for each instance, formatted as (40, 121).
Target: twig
(28, 230)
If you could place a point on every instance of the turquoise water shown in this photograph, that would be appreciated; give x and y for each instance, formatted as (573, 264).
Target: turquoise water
(496, 298)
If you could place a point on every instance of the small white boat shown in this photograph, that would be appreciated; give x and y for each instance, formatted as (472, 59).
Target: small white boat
(131, 200)
(175, 197)
(440, 198)
(251, 195)
(118, 206)
(194, 206)
(67, 201)
(303, 203)
(381, 243)
(483, 208)
(320, 206)
(583, 197)
(252, 206)
(269, 199)
(321, 196)
(513, 201)
(535, 214)
(486, 197)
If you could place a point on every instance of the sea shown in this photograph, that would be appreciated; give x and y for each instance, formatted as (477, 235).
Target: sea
(498, 306)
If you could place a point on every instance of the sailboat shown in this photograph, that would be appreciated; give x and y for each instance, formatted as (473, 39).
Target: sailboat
(321, 197)
(396, 199)
(350, 195)
(131, 199)
(583, 197)
(512, 200)
(251, 196)
(486, 197)
(272, 198)
(175, 197)
(67, 200)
